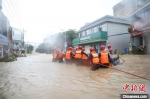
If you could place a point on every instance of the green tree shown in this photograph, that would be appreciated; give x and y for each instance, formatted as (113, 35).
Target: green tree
(30, 48)
(70, 35)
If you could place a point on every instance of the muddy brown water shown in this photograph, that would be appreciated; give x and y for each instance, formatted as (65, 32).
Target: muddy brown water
(36, 77)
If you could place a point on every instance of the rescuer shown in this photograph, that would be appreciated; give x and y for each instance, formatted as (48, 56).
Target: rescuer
(94, 59)
(110, 49)
(55, 55)
(113, 59)
(60, 55)
(84, 57)
(78, 55)
(104, 57)
(69, 55)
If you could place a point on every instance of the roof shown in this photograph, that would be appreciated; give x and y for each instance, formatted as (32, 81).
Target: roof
(105, 19)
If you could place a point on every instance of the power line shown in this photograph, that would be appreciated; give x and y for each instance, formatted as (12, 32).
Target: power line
(14, 11)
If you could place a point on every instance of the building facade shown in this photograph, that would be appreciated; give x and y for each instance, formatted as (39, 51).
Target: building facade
(140, 26)
(17, 40)
(108, 29)
(124, 8)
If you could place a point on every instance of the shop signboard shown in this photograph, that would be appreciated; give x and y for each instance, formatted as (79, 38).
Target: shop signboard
(85, 38)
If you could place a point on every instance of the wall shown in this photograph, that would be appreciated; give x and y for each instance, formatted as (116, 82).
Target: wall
(17, 34)
(118, 42)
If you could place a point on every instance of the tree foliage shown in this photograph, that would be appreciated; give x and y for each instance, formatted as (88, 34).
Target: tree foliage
(70, 35)
(30, 48)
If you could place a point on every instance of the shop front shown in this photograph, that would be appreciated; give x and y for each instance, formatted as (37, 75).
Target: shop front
(92, 40)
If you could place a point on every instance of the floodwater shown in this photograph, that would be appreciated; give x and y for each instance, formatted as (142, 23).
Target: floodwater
(37, 77)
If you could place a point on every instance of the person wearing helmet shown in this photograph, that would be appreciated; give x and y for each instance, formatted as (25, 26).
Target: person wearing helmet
(69, 56)
(84, 57)
(113, 59)
(60, 55)
(55, 55)
(78, 55)
(110, 49)
(94, 59)
(104, 57)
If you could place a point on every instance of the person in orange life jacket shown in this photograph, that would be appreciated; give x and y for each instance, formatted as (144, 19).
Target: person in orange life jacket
(78, 55)
(110, 49)
(60, 55)
(84, 57)
(93, 57)
(55, 55)
(113, 59)
(104, 57)
(69, 55)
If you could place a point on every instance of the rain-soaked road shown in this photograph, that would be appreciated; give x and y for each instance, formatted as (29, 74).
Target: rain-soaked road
(36, 77)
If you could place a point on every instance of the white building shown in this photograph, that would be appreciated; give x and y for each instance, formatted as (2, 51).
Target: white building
(18, 40)
(109, 29)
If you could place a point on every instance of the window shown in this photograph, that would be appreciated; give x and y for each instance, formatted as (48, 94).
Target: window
(88, 32)
(103, 27)
(95, 29)
(82, 33)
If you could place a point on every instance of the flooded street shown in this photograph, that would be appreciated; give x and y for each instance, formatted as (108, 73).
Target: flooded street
(37, 77)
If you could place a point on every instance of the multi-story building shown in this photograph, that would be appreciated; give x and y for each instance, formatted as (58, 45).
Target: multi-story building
(108, 29)
(4, 30)
(140, 21)
(138, 11)
(18, 40)
(124, 8)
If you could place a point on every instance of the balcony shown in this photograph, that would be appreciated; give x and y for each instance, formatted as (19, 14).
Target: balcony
(95, 37)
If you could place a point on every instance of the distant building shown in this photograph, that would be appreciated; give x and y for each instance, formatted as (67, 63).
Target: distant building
(108, 29)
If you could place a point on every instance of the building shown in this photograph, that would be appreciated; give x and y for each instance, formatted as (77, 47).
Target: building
(108, 29)
(18, 40)
(124, 8)
(4, 29)
(140, 26)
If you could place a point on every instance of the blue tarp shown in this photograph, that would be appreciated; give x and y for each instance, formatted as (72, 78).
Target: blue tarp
(3, 39)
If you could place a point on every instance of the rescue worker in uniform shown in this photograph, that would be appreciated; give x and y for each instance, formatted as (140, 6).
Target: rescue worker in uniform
(104, 57)
(60, 55)
(110, 49)
(94, 59)
(69, 55)
(78, 55)
(113, 59)
(55, 55)
(84, 57)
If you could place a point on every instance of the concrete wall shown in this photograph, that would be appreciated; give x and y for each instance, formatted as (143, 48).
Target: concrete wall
(17, 34)
(118, 42)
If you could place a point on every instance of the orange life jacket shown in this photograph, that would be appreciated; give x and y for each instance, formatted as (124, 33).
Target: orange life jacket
(84, 56)
(55, 54)
(104, 57)
(60, 54)
(78, 54)
(95, 59)
(68, 54)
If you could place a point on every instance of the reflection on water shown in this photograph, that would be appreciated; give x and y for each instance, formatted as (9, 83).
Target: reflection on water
(36, 77)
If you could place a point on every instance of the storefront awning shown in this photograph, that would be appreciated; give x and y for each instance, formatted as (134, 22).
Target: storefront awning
(3, 39)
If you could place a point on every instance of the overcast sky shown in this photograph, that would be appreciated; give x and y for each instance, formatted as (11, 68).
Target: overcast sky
(41, 18)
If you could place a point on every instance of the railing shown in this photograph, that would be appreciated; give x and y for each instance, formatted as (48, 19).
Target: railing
(99, 36)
